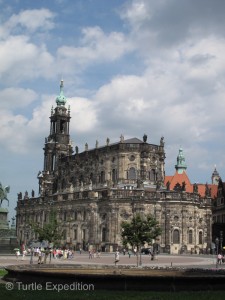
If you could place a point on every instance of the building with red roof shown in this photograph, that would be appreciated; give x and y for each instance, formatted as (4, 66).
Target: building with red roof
(180, 180)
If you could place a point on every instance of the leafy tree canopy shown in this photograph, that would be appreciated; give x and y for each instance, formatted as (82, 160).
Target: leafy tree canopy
(50, 231)
(140, 230)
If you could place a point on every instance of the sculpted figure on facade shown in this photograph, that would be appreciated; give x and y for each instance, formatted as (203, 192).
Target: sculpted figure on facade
(145, 138)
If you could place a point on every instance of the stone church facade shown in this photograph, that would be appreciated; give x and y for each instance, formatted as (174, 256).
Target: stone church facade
(93, 191)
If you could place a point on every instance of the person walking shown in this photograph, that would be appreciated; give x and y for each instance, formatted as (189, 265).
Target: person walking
(98, 253)
(219, 259)
(39, 256)
(23, 254)
(117, 257)
(17, 254)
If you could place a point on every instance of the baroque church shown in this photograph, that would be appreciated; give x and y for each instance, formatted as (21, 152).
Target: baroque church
(93, 191)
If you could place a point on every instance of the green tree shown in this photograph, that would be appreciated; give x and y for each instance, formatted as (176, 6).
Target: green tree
(140, 230)
(50, 231)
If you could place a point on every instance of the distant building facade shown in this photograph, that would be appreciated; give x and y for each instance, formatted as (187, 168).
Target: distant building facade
(218, 209)
(93, 191)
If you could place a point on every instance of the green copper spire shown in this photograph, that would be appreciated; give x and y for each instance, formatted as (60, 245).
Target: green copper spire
(181, 165)
(61, 99)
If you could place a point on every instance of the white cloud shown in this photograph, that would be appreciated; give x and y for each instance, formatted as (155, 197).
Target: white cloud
(13, 132)
(84, 115)
(136, 13)
(22, 60)
(31, 20)
(95, 47)
(13, 98)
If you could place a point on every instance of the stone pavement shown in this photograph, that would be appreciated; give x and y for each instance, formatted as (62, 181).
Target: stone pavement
(185, 261)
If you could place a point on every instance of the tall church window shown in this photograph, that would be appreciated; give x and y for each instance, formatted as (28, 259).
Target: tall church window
(53, 162)
(84, 234)
(176, 236)
(190, 237)
(62, 126)
(200, 237)
(75, 234)
(102, 177)
(64, 216)
(63, 184)
(64, 234)
(81, 178)
(132, 174)
(103, 234)
(152, 175)
(114, 175)
(92, 178)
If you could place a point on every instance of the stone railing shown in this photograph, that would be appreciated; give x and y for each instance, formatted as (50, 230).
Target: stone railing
(112, 194)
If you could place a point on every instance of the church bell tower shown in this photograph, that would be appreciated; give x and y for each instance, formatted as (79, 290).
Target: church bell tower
(57, 144)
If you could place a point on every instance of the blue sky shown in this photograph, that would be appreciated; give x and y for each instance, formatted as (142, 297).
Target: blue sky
(129, 67)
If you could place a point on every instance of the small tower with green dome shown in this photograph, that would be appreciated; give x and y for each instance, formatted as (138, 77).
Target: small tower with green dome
(61, 99)
(181, 165)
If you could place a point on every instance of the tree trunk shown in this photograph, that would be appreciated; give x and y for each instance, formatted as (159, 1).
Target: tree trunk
(137, 257)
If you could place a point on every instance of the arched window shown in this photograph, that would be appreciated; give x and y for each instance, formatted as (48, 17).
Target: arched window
(190, 236)
(132, 174)
(200, 237)
(176, 236)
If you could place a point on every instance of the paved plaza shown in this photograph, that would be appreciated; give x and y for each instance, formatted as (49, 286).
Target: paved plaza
(185, 261)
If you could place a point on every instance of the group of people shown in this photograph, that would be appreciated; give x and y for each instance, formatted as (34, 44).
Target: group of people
(63, 253)
(94, 254)
(43, 253)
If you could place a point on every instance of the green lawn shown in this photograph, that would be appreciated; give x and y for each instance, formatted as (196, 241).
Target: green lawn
(2, 272)
(107, 295)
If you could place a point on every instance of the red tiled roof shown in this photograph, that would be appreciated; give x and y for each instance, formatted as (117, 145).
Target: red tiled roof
(214, 190)
(201, 189)
(180, 178)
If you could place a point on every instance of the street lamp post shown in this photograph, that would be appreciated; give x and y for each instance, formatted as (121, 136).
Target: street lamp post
(217, 246)
(31, 255)
(221, 241)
